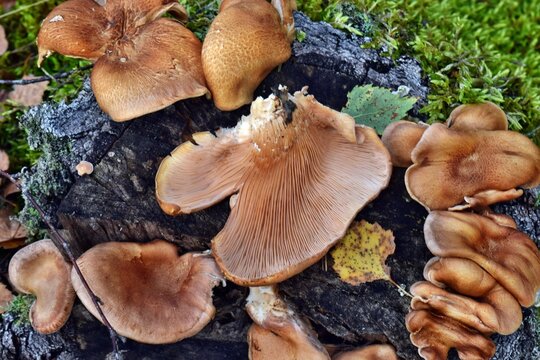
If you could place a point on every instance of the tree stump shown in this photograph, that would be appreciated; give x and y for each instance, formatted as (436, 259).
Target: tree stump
(117, 203)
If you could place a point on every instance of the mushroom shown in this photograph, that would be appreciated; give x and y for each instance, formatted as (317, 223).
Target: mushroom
(147, 291)
(143, 63)
(472, 117)
(400, 138)
(40, 269)
(5, 298)
(435, 335)
(300, 178)
(450, 165)
(499, 313)
(507, 254)
(238, 55)
(84, 168)
(371, 352)
(278, 333)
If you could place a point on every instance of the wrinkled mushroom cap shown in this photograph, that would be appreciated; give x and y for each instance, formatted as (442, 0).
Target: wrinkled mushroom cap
(238, 55)
(507, 254)
(278, 333)
(400, 138)
(39, 269)
(435, 335)
(148, 292)
(371, 352)
(299, 185)
(472, 117)
(449, 165)
(143, 63)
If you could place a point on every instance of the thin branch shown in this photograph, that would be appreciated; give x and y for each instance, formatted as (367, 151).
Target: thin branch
(62, 244)
(44, 78)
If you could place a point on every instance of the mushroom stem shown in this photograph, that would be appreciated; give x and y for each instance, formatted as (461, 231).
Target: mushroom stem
(64, 247)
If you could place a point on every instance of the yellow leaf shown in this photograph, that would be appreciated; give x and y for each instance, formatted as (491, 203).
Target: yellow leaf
(360, 256)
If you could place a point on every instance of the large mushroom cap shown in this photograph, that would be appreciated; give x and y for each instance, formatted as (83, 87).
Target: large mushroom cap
(450, 165)
(299, 185)
(40, 269)
(148, 292)
(244, 43)
(507, 254)
(471, 117)
(143, 63)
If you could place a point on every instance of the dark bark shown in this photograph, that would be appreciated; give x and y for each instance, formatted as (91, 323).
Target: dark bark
(117, 203)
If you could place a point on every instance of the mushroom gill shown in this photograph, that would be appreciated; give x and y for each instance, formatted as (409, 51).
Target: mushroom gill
(300, 178)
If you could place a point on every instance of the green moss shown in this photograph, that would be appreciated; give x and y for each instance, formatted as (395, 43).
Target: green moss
(19, 307)
(471, 51)
(201, 13)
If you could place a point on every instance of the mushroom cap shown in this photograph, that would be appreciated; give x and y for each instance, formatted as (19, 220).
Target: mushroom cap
(507, 254)
(472, 117)
(478, 315)
(40, 269)
(400, 138)
(435, 335)
(449, 165)
(238, 55)
(278, 333)
(148, 292)
(143, 63)
(5, 297)
(371, 352)
(299, 185)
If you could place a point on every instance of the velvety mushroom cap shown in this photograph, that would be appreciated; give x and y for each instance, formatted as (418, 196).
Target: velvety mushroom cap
(244, 43)
(278, 333)
(371, 352)
(148, 292)
(449, 165)
(435, 335)
(143, 63)
(472, 117)
(400, 138)
(507, 254)
(39, 269)
(5, 298)
(299, 185)
(478, 315)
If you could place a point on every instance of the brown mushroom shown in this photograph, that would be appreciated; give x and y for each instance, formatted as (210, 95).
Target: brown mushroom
(371, 352)
(148, 292)
(507, 254)
(299, 183)
(5, 298)
(143, 62)
(435, 335)
(238, 55)
(278, 333)
(450, 165)
(472, 117)
(12, 233)
(400, 138)
(40, 269)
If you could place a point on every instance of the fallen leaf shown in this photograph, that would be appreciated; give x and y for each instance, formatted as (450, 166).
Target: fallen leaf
(377, 107)
(4, 160)
(29, 95)
(3, 40)
(12, 233)
(360, 256)
(5, 298)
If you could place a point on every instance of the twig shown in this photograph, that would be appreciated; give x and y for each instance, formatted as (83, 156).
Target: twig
(44, 78)
(63, 244)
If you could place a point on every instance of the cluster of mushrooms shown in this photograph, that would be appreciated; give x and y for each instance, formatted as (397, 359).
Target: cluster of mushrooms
(311, 169)
(484, 269)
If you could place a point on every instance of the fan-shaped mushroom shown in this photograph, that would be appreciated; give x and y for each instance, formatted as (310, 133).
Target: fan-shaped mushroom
(278, 333)
(471, 117)
(148, 292)
(246, 40)
(300, 180)
(400, 138)
(40, 269)
(450, 165)
(143, 62)
(507, 254)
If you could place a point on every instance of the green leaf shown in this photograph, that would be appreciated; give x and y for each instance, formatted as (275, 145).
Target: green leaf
(376, 107)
